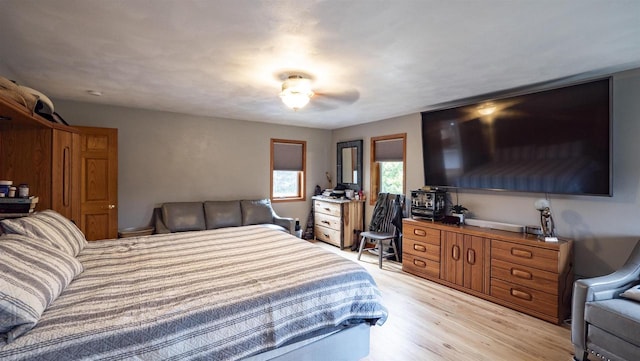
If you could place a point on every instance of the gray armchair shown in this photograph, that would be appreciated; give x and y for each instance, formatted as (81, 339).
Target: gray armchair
(603, 323)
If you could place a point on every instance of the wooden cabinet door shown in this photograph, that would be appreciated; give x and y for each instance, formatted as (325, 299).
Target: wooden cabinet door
(452, 257)
(463, 260)
(64, 180)
(99, 182)
(474, 265)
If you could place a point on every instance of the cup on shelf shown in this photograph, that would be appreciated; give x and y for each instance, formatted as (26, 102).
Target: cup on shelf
(4, 186)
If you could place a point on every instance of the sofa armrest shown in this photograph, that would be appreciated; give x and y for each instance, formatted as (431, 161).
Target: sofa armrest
(598, 289)
(288, 223)
(158, 223)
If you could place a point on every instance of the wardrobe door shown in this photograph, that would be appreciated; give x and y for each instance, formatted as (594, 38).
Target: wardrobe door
(63, 180)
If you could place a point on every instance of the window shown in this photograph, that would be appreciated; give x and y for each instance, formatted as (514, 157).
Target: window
(288, 163)
(388, 165)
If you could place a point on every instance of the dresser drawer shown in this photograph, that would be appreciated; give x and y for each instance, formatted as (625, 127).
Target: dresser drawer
(327, 220)
(333, 209)
(525, 276)
(420, 266)
(421, 249)
(327, 234)
(535, 300)
(540, 258)
(422, 234)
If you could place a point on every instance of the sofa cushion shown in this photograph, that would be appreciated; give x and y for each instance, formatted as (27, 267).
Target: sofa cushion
(632, 293)
(33, 273)
(219, 214)
(256, 212)
(617, 316)
(184, 216)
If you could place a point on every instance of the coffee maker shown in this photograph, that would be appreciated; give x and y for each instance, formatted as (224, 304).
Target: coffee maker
(428, 204)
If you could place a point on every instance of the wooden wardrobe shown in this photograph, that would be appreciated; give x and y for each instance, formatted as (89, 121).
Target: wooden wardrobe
(49, 158)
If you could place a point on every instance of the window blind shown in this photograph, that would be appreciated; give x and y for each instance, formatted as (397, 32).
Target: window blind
(287, 156)
(389, 150)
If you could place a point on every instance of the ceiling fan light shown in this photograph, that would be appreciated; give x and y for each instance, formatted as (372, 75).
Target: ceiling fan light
(295, 101)
(296, 92)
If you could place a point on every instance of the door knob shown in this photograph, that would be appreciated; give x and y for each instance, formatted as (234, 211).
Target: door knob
(111, 206)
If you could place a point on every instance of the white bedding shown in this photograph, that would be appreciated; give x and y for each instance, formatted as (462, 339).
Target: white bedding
(223, 294)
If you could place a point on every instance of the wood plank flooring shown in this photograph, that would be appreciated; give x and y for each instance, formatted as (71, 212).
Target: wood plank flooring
(428, 321)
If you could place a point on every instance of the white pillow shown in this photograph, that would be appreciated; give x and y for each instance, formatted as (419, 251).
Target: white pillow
(51, 227)
(632, 293)
(32, 275)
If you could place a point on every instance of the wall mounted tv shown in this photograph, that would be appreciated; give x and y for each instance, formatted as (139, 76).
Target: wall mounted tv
(553, 141)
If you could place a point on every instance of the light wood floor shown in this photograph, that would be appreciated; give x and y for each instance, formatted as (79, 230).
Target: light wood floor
(428, 321)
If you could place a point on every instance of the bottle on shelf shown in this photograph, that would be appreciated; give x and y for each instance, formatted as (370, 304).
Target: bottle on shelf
(297, 229)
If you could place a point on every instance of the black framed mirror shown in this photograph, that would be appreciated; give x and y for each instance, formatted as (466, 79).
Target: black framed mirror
(349, 159)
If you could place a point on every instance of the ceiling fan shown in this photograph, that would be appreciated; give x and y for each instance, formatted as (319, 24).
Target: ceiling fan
(298, 91)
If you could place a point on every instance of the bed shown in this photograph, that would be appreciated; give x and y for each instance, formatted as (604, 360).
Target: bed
(235, 293)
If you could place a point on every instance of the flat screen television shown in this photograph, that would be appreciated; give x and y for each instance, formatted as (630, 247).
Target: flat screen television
(553, 141)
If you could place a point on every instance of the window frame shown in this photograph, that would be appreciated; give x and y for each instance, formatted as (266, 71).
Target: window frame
(374, 167)
(302, 174)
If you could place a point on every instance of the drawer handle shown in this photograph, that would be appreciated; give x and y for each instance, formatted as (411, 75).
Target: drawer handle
(419, 232)
(419, 248)
(328, 209)
(471, 256)
(455, 252)
(326, 235)
(325, 222)
(521, 274)
(521, 253)
(521, 294)
(419, 263)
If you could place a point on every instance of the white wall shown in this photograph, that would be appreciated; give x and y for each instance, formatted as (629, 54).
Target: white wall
(604, 228)
(164, 157)
(5, 72)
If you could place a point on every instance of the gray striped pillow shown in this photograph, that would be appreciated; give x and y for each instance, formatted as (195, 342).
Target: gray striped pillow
(51, 227)
(32, 275)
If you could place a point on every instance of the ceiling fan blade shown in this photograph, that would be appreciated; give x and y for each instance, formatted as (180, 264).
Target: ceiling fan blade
(332, 100)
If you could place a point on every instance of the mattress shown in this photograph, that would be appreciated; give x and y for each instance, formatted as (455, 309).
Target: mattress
(223, 294)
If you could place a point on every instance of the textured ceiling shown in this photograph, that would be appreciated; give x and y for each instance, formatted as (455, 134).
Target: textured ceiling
(369, 60)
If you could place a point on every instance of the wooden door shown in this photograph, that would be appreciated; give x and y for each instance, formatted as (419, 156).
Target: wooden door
(99, 182)
(452, 257)
(474, 270)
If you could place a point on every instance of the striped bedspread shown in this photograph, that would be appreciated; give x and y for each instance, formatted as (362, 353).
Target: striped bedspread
(223, 294)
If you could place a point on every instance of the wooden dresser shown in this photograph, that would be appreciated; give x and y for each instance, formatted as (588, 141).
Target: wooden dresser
(512, 269)
(337, 221)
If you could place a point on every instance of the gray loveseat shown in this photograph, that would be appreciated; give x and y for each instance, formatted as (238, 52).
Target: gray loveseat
(603, 323)
(200, 216)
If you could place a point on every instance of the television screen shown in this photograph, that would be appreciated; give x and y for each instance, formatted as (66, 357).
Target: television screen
(553, 141)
